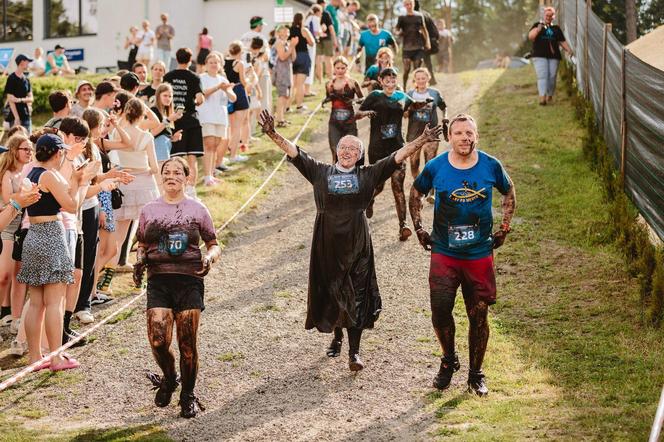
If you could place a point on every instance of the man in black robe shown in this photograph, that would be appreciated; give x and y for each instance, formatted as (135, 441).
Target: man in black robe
(343, 290)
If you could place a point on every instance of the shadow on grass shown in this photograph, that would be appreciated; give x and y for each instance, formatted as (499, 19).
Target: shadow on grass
(145, 433)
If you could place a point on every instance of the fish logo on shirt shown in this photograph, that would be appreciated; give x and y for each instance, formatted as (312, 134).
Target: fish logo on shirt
(466, 194)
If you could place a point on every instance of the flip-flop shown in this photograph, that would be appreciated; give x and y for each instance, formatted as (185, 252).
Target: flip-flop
(44, 365)
(67, 365)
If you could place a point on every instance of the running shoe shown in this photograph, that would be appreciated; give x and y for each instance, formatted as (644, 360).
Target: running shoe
(355, 363)
(70, 335)
(164, 389)
(101, 298)
(448, 365)
(6, 320)
(239, 159)
(404, 233)
(476, 383)
(18, 348)
(334, 349)
(302, 108)
(190, 405)
(223, 168)
(84, 317)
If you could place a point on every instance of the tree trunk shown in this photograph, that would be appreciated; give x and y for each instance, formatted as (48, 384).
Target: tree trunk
(630, 19)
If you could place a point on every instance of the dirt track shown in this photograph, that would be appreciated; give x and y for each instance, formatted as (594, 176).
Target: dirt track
(262, 376)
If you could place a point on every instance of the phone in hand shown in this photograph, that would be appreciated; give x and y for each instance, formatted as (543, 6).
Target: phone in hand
(82, 164)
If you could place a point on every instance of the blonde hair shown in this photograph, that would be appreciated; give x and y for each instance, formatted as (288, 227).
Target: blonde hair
(341, 59)
(9, 161)
(421, 70)
(385, 50)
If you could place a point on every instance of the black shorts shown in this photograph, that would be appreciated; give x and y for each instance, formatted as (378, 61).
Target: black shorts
(415, 55)
(78, 259)
(175, 292)
(190, 144)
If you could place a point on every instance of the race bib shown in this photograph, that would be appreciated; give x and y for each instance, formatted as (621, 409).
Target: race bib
(388, 131)
(459, 237)
(422, 115)
(343, 184)
(341, 114)
(175, 244)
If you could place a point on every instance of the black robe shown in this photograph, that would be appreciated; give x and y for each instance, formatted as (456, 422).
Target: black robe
(343, 290)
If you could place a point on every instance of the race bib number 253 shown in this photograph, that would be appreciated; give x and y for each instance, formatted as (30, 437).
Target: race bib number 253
(343, 184)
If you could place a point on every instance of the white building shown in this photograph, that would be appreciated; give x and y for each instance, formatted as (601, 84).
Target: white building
(99, 27)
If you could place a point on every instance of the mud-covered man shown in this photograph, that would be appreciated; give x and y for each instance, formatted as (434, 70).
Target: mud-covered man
(462, 242)
(343, 289)
(169, 232)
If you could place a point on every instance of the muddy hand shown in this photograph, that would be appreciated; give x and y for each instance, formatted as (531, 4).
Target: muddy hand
(499, 238)
(432, 134)
(207, 265)
(139, 269)
(446, 129)
(425, 239)
(266, 121)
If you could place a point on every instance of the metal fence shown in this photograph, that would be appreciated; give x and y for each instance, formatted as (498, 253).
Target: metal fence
(627, 96)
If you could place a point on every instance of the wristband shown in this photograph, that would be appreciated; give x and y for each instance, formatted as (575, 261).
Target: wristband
(505, 228)
(15, 205)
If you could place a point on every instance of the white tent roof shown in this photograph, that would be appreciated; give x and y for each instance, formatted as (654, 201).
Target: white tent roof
(649, 48)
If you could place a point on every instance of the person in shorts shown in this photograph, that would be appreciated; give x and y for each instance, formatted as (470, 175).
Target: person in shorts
(462, 244)
(187, 94)
(412, 28)
(327, 44)
(169, 232)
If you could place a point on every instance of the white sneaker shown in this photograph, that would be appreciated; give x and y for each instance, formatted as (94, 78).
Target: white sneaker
(18, 348)
(6, 320)
(84, 317)
(239, 159)
(13, 328)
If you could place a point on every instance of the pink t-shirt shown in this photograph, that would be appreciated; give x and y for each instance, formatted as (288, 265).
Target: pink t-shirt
(205, 41)
(171, 234)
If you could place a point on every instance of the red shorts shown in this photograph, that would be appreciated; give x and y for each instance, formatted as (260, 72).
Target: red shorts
(476, 277)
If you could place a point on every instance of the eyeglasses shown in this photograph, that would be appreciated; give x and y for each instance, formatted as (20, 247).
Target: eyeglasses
(26, 149)
(349, 148)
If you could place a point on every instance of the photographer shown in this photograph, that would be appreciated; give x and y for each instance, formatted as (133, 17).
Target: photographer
(547, 39)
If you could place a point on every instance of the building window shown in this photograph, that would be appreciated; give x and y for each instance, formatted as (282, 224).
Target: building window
(70, 18)
(16, 22)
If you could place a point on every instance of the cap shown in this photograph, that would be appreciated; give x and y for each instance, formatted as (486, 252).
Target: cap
(81, 84)
(388, 71)
(129, 81)
(58, 47)
(3, 149)
(50, 143)
(256, 20)
(105, 87)
(22, 57)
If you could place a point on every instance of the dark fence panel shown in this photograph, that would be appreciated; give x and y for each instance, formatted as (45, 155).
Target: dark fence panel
(613, 97)
(644, 151)
(595, 61)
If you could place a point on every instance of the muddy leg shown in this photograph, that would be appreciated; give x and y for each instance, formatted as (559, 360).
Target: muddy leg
(354, 337)
(187, 330)
(478, 335)
(415, 163)
(160, 335)
(398, 178)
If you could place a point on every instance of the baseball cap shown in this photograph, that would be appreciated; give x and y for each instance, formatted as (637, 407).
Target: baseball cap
(22, 57)
(81, 84)
(58, 47)
(388, 71)
(256, 20)
(49, 143)
(105, 87)
(3, 149)
(129, 81)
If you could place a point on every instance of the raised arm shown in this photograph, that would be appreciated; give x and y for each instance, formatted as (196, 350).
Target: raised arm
(266, 121)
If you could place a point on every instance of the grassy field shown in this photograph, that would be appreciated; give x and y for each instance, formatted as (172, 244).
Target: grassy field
(569, 357)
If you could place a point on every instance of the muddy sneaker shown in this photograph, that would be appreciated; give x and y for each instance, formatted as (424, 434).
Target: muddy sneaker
(164, 388)
(18, 348)
(448, 365)
(476, 383)
(355, 363)
(190, 405)
(334, 349)
(404, 233)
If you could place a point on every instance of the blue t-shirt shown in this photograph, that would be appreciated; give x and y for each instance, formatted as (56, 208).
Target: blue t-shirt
(373, 42)
(463, 222)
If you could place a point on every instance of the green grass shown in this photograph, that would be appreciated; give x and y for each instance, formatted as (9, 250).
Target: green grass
(569, 357)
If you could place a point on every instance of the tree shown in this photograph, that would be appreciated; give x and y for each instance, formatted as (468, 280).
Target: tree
(630, 19)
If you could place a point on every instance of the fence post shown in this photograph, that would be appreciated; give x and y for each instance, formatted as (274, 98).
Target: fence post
(576, 21)
(607, 29)
(586, 74)
(623, 117)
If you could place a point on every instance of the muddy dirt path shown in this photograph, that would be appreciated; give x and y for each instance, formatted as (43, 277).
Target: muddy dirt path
(262, 376)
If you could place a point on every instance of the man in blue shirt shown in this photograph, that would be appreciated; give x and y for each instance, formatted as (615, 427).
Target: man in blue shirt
(373, 39)
(461, 243)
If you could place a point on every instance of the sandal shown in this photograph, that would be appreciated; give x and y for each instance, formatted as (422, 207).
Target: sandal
(69, 363)
(44, 365)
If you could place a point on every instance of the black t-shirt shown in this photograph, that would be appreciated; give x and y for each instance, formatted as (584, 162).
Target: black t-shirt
(301, 45)
(167, 131)
(186, 85)
(546, 44)
(20, 88)
(147, 92)
(410, 26)
(385, 136)
(326, 19)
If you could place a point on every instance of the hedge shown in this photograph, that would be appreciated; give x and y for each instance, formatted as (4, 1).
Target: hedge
(645, 261)
(43, 86)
